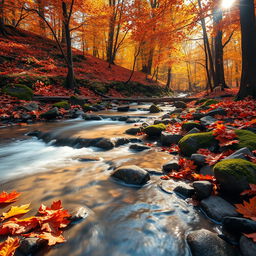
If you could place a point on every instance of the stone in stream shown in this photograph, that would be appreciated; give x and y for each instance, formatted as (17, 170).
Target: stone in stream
(133, 131)
(131, 174)
(139, 147)
(217, 208)
(50, 114)
(203, 189)
(92, 117)
(194, 130)
(105, 143)
(172, 165)
(247, 246)
(218, 111)
(154, 130)
(31, 245)
(79, 214)
(199, 159)
(176, 111)
(168, 139)
(123, 108)
(180, 104)
(89, 159)
(239, 225)
(184, 190)
(206, 243)
(235, 175)
(154, 109)
(132, 120)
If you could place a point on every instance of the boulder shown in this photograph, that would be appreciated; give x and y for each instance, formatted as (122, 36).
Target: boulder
(235, 175)
(190, 143)
(31, 245)
(131, 174)
(132, 120)
(206, 243)
(20, 91)
(51, 114)
(239, 225)
(247, 246)
(240, 154)
(105, 144)
(92, 117)
(180, 104)
(139, 147)
(217, 111)
(187, 126)
(176, 111)
(217, 208)
(168, 139)
(62, 104)
(172, 165)
(154, 130)
(123, 108)
(199, 159)
(203, 189)
(184, 190)
(88, 107)
(207, 170)
(207, 120)
(154, 109)
(133, 131)
(30, 107)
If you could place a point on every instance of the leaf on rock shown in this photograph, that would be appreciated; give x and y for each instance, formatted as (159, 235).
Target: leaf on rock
(248, 209)
(15, 211)
(9, 246)
(8, 197)
(251, 191)
(252, 236)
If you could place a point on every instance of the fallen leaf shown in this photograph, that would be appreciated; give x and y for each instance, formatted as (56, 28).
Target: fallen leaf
(16, 210)
(9, 198)
(252, 236)
(247, 209)
(9, 246)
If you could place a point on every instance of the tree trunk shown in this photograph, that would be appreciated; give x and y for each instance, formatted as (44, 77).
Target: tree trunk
(2, 29)
(63, 33)
(169, 79)
(41, 22)
(111, 33)
(218, 50)
(70, 79)
(248, 36)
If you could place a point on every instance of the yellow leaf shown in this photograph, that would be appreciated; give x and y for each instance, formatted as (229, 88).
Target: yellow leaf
(16, 210)
(9, 246)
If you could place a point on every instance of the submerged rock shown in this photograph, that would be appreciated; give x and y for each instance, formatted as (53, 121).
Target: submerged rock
(206, 243)
(235, 175)
(92, 117)
(131, 174)
(203, 189)
(217, 208)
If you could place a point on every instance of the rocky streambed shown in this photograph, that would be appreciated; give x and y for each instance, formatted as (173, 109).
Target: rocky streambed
(103, 164)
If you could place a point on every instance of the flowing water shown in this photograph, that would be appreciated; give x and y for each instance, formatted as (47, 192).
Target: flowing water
(123, 220)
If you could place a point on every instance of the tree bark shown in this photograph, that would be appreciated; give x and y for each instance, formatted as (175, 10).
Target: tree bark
(218, 50)
(41, 22)
(2, 29)
(169, 79)
(248, 36)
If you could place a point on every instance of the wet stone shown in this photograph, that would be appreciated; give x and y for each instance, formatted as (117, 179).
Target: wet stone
(92, 117)
(199, 159)
(139, 147)
(123, 108)
(203, 189)
(172, 165)
(105, 144)
(247, 246)
(133, 131)
(240, 154)
(31, 245)
(207, 170)
(79, 214)
(184, 190)
(239, 225)
(168, 139)
(194, 130)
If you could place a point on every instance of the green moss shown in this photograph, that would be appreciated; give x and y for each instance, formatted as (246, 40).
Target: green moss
(190, 125)
(200, 101)
(246, 139)
(238, 168)
(62, 104)
(154, 109)
(208, 103)
(154, 130)
(190, 143)
(20, 91)
(87, 107)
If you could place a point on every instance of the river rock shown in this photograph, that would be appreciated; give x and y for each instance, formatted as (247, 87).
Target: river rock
(218, 111)
(176, 111)
(168, 139)
(74, 113)
(239, 225)
(123, 108)
(242, 153)
(105, 143)
(203, 189)
(89, 159)
(207, 120)
(184, 190)
(247, 246)
(139, 147)
(207, 170)
(132, 120)
(187, 126)
(206, 243)
(235, 175)
(92, 117)
(31, 245)
(154, 130)
(79, 214)
(180, 104)
(154, 109)
(30, 107)
(194, 130)
(131, 174)
(217, 208)
(172, 165)
(51, 114)
(199, 159)
(133, 131)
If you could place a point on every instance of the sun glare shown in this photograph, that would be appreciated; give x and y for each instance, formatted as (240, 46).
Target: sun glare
(227, 4)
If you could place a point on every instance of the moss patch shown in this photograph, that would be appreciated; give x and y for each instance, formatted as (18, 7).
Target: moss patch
(154, 109)
(154, 130)
(238, 168)
(246, 139)
(20, 91)
(62, 104)
(209, 102)
(190, 125)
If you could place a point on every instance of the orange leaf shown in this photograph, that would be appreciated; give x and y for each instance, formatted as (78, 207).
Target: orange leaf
(9, 246)
(251, 191)
(8, 198)
(16, 210)
(248, 209)
(252, 236)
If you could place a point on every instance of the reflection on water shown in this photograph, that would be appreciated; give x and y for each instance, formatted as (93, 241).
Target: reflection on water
(123, 220)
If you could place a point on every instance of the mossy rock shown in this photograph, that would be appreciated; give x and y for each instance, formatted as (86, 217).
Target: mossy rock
(62, 104)
(20, 91)
(190, 143)
(209, 102)
(235, 175)
(246, 139)
(154, 130)
(200, 101)
(190, 125)
(154, 109)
